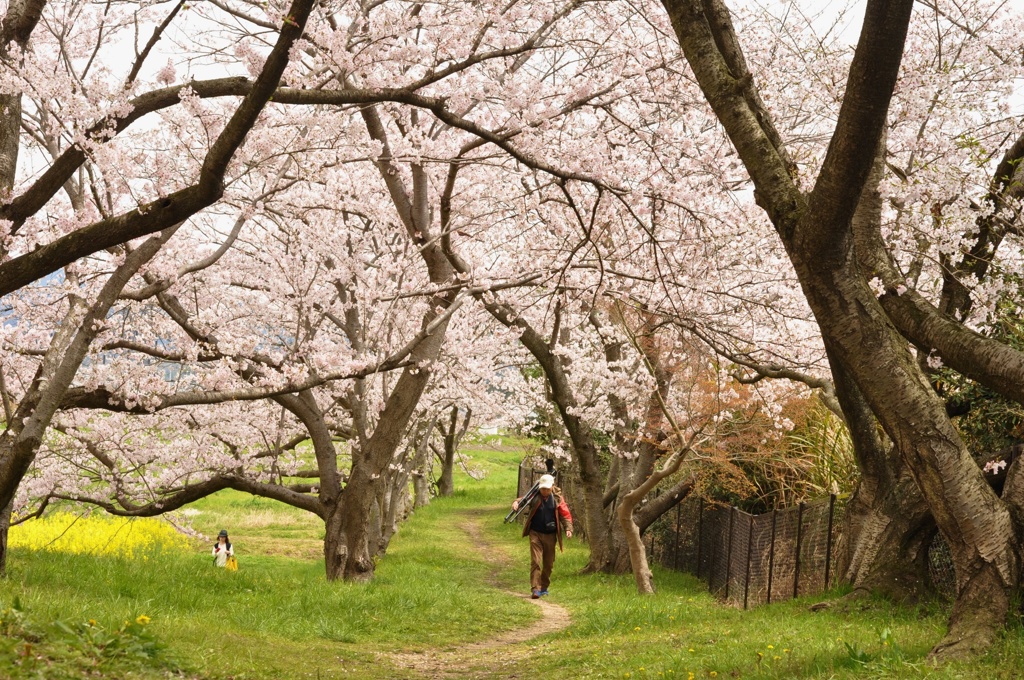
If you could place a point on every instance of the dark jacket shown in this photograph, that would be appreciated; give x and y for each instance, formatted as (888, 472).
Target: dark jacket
(561, 514)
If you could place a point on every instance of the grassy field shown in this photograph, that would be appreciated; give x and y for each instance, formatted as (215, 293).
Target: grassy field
(437, 590)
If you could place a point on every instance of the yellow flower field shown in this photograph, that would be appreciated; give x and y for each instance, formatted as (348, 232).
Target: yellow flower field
(97, 535)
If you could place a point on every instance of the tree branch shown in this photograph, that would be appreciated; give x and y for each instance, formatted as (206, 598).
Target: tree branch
(851, 152)
(177, 207)
(103, 398)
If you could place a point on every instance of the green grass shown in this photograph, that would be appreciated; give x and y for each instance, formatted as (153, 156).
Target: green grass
(263, 526)
(682, 629)
(278, 618)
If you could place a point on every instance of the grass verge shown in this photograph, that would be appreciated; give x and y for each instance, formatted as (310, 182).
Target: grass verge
(278, 618)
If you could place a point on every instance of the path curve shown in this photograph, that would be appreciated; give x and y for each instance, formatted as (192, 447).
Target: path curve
(489, 658)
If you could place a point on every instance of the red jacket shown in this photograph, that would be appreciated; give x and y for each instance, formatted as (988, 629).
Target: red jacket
(561, 513)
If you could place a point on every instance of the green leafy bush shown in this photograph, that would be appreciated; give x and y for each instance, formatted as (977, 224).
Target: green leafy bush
(60, 650)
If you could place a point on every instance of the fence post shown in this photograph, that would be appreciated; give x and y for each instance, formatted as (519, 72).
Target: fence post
(700, 534)
(750, 541)
(715, 541)
(675, 551)
(728, 554)
(771, 556)
(828, 541)
(799, 537)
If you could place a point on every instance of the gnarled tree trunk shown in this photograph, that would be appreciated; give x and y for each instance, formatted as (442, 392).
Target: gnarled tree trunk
(626, 510)
(887, 526)
(886, 541)
(335, 545)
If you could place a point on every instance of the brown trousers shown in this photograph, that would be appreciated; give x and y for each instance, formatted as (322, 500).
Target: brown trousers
(542, 559)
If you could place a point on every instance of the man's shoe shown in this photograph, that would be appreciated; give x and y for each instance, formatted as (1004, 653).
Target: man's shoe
(534, 594)
(543, 592)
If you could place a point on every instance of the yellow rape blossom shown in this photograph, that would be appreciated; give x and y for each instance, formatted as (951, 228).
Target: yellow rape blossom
(97, 535)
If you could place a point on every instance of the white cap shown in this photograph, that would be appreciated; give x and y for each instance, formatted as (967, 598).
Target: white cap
(546, 482)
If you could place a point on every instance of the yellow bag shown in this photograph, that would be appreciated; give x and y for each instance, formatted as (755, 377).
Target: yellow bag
(231, 564)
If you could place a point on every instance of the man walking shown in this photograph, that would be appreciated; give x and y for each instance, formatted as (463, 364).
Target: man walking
(547, 517)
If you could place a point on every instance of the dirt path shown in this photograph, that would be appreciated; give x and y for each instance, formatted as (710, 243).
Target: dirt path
(494, 658)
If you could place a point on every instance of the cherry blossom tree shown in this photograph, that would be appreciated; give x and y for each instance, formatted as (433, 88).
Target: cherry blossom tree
(940, 196)
(357, 178)
(331, 290)
(818, 228)
(43, 63)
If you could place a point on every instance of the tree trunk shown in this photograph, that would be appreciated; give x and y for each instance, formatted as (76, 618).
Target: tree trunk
(977, 527)
(347, 538)
(452, 436)
(595, 520)
(887, 525)
(446, 481)
(641, 440)
(626, 511)
(335, 545)
(421, 467)
(886, 551)
(619, 546)
(619, 561)
(644, 516)
(421, 482)
(372, 456)
(394, 501)
(5, 528)
(637, 553)
(351, 555)
(952, 500)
